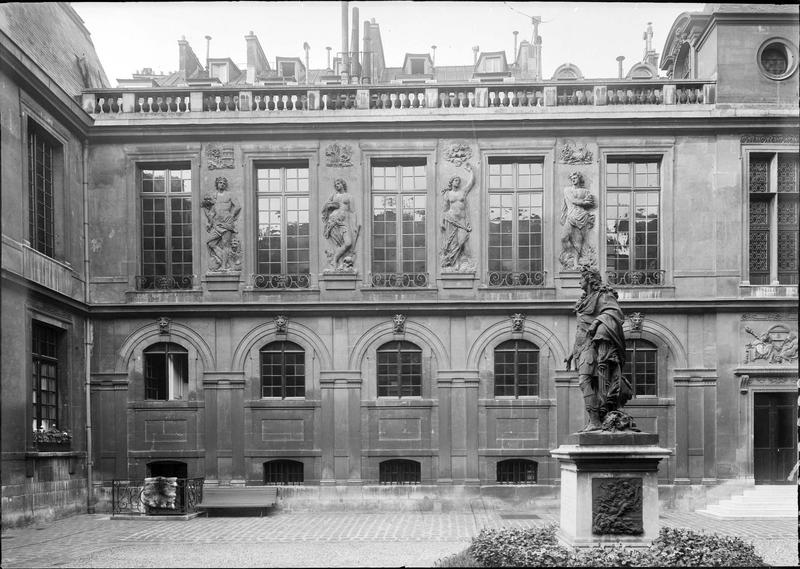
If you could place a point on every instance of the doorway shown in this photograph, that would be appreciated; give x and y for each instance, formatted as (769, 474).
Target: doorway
(774, 437)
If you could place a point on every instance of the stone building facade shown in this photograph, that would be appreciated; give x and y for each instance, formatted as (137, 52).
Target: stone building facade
(363, 277)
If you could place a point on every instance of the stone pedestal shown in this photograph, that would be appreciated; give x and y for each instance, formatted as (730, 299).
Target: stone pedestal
(463, 280)
(609, 488)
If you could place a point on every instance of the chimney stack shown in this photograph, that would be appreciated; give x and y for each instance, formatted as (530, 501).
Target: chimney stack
(208, 50)
(433, 58)
(345, 67)
(188, 64)
(256, 60)
(355, 63)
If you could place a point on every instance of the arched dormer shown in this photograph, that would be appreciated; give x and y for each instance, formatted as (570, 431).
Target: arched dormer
(567, 72)
(642, 71)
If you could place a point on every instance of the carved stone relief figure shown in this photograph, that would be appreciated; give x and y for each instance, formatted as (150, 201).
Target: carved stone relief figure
(339, 156)
(599, 355)
(222, 212)
(575, 154)
(775, 346)
(340, 228)
(455, 225)
(576, 221)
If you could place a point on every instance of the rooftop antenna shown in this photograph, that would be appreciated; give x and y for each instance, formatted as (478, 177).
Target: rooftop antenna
(208, 50)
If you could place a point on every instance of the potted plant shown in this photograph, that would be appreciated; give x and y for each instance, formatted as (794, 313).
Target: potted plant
(51, 439)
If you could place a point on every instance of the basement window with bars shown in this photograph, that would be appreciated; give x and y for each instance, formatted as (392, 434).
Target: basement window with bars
(400, 471)
(517, 471)
(283, 472)
(773, 218)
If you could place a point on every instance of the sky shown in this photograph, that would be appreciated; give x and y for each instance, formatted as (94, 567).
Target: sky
(131, 35)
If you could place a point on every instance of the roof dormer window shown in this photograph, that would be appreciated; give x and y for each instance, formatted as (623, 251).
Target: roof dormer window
(287, 69)
(417, 66)
(220, 71)
(492, 65)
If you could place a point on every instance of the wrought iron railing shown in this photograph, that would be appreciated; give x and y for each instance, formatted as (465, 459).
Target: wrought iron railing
(126, 497)
(163, 282)
(281, 281)
(512, 279)
(636, 278)
(399, 280)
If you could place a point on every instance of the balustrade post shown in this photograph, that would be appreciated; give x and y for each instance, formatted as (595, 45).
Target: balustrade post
(128, 102)
(431, 97)
(196, 101)
(481, 97)
(550, 96)
(314, 99)
(245, 100)
(88, 102)
(669, 94)
(709, 94)
(362, 99)
(600, 95)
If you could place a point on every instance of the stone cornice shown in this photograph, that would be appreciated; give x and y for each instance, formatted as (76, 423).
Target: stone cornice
(697, 122)
(476, 306)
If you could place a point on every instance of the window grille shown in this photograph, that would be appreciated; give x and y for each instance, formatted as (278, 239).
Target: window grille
(283, 370)
(517, 471)
(283, 472)
(399, 370)
(400, 471)
(773, 218)
(516, 369)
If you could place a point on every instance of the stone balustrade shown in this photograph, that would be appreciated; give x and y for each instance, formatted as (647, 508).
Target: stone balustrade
(399, 98)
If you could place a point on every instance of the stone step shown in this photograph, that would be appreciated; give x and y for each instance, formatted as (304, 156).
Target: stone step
(757, 502)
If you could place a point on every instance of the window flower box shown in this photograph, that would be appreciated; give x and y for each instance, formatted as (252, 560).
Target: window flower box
(52, 439)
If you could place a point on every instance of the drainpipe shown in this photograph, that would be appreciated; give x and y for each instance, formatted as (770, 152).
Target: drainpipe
(87, 336)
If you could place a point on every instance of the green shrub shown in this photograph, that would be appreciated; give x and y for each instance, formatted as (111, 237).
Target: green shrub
(517, 547)
(675, 547)
(539, 547)
(616, 555)
(460, 559)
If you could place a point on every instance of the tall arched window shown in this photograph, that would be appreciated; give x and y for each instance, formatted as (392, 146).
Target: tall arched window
(166, 371)
(516, 369)
(283, 370)
(399, 370)
(641, 363)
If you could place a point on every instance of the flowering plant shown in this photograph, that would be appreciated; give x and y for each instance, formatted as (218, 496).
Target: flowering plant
(51, 435)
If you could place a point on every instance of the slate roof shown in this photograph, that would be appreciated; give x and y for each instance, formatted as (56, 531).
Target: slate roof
(54, 36)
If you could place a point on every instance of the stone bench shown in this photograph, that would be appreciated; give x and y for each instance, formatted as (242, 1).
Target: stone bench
(244, 500)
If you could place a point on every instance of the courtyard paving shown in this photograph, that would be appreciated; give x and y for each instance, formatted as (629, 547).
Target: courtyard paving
(308, 539)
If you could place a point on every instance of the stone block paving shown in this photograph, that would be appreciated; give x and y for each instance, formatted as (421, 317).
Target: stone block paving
(295, 539)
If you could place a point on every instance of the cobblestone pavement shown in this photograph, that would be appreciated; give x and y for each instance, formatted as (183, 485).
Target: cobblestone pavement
(351, 539)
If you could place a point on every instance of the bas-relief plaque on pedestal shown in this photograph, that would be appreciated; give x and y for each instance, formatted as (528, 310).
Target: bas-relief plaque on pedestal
(617, 506)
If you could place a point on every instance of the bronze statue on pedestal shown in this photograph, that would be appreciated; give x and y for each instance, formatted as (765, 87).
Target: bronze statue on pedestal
(599, 355)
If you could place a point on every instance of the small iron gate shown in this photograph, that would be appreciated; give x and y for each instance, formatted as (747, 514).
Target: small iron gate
(127, 497)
